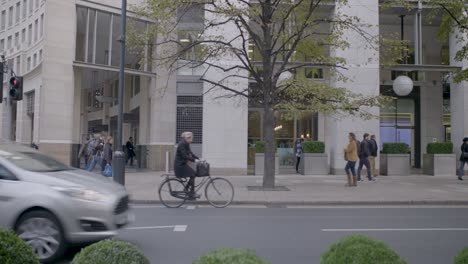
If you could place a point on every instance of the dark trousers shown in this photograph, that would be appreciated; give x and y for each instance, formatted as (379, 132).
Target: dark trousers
(351, 168)
(297, 163)
(461, 169)
(131, 160)
(364, 161)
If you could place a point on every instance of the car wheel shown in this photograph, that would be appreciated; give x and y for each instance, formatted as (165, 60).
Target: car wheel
(42, 231)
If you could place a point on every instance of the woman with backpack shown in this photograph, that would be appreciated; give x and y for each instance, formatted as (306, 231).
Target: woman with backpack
(463, 158)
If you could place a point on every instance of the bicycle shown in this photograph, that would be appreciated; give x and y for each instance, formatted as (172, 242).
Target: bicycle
(218, 191)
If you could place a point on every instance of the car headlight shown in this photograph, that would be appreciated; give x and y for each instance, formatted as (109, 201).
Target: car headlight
(81, 193)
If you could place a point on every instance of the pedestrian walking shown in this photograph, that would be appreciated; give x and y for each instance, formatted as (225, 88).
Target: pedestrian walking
(351, 156)
(84, 153)
(96, 148)
(184, 157)
(130, 151)
(463, 158)
(374, 150)
(107, 156)
(298, 150)
(364, 153)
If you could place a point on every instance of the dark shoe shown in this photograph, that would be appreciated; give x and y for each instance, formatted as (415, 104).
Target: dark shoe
(460, 178)
(372, 179)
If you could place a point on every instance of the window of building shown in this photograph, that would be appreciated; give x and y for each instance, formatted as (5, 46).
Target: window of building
(29, 63)
(31, 7)
(136, 84)
(102, 38)
(9, 42)
(25, 8)
(41, 26)
(30, 102)
(190, 117)
(18, 65)
(2, 45)
(23, 35)
(35, 60)
(3, 20)
(36, 30)
(37, 4)
(17, 39)
(30, 35)
(10, 16)
(18, 11)
(40, 55)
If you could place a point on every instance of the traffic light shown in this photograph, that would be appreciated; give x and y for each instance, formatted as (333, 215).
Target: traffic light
(16, 88)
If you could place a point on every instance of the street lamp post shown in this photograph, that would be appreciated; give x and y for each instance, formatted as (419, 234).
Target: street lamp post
(119, 156)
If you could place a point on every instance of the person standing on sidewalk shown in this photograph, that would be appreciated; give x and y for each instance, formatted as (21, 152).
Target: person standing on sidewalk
(298, 150)
(374, 150)
(463, 159)
(351, 156)
(130, 151)
(364, 154)
(107, 158)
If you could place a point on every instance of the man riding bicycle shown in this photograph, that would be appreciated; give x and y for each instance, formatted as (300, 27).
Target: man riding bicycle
(183, 159)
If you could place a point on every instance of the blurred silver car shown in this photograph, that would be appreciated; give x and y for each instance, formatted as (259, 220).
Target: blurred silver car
(51, 205)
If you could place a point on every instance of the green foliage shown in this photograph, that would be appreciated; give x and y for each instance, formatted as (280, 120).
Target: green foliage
(260, 147)
(13, 250)
(230, 256)
(110, 252)
(462, 257)
(440, 148)
(360, 249)
(395, 148)
(314, 147)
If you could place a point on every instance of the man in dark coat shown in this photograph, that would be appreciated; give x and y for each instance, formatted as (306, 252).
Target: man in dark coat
(183, 157)
(463, 158)
(130, 151)
(364, 153)
(374, 150)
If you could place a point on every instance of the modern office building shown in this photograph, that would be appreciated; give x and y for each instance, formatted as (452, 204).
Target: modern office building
(68, 53)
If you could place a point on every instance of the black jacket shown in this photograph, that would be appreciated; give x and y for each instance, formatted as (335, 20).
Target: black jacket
(464, 148)
(183, 155)
(374, 148)
(365, 149)
(130, 149)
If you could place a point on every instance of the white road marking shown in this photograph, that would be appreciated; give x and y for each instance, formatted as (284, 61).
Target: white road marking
(394, 229)
(180, 228)
(191, 207)
(176, 228)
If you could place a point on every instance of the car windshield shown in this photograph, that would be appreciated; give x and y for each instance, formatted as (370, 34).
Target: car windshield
(30, 160)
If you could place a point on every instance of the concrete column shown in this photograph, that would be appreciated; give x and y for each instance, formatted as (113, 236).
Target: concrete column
(57, 98)
(225, 119)
(458, 98)
(363, 73)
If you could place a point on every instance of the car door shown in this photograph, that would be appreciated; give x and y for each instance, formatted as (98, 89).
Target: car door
(9, 186)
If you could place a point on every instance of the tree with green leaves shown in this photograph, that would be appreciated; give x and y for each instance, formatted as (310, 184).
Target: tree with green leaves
(267, 42)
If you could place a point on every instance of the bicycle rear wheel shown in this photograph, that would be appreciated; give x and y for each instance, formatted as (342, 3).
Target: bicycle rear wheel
(172, 193)
(219, 192)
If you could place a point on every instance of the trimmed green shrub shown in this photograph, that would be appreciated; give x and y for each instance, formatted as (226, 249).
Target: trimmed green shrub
(260, 147)
(13, 250)
(314, 147)
(231, 256)
(440, 148)
(360, 249)
(110, 252)
(395, 148)
(462, 257)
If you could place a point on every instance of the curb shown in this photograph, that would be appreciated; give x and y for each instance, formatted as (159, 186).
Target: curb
(321, 203)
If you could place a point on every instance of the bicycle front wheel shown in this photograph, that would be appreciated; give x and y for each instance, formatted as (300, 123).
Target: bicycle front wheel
(219, 192)
(172, 193)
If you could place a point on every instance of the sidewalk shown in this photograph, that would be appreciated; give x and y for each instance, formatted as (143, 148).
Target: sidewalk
(322, 190)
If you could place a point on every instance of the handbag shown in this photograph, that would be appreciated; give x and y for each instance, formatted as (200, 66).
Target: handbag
(465, 155)
(107, 172)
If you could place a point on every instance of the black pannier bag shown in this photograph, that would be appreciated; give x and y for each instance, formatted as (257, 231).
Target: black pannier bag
(203, 169)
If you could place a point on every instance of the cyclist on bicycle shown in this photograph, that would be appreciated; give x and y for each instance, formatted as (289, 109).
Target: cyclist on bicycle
(183, 158)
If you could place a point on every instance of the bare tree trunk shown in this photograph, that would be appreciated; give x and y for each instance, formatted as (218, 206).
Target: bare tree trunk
(270, 149)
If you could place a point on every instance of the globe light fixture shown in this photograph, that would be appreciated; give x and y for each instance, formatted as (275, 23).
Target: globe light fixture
(402, 85)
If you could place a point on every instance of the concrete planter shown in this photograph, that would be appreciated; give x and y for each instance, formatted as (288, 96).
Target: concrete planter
(395, 164)
(259, 162)
(314, 164)
(440, 164)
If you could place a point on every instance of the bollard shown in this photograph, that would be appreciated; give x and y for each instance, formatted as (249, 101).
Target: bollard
(118, 167)
(167, 162)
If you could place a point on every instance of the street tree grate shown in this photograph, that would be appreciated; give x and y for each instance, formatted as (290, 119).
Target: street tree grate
(261, 189)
